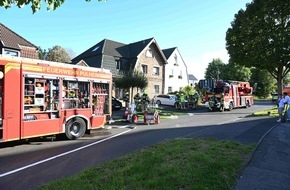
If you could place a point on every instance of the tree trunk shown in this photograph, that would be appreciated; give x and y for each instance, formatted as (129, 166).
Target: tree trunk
(280, 80)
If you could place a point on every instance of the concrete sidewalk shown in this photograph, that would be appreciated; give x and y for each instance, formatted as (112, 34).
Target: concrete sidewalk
(269, 168)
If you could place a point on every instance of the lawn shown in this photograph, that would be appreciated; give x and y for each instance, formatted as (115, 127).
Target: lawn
(273, 112)
(187, 163)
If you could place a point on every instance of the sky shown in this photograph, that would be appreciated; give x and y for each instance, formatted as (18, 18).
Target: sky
(196, 27)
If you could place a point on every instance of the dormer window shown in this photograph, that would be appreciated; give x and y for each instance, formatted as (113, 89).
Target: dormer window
(96, 48)
(149, 53)
(10, 52)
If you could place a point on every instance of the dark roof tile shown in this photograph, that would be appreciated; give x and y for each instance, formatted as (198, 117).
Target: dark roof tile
(191, 77)
(11, 39)
(167, 52)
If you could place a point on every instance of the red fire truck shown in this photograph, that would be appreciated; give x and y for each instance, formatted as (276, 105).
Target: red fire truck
(41, 98)
(228, 94)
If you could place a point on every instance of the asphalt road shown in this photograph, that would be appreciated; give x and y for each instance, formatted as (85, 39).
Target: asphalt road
(34, 163)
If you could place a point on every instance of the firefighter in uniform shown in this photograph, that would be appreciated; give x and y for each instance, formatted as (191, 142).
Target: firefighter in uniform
(195, 100)
(177, 103)
(144, 101)
(126, 99)
(137, 100)
(182, 101)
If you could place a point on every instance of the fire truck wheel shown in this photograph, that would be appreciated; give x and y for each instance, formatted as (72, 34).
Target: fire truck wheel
(75, 128)
(135, 118)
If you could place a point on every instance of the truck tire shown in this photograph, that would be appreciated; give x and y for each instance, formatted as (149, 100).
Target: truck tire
(135, 118)
(157, 119)
(75, 128)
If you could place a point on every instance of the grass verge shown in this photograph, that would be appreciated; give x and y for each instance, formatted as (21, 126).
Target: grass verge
(188, 163)
(273, 112)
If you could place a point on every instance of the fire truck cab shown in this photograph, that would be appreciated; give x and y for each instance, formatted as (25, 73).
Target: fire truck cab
(228, 95)
(41, 98)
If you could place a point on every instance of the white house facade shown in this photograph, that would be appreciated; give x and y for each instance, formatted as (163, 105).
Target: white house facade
(176, 75)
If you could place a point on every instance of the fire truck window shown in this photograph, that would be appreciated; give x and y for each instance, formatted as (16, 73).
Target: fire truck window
(55, 94)
(75, 94)
(51, 101)
(100, 98)
(84, 94)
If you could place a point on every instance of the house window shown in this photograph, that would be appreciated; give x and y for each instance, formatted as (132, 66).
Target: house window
(118, 64)
(144, 69)
(155, 70)
(180, 75)
(156, 89)
(171, 73)
(96, 48)
(149, 53)
(12, 53)
(169, 89)
(175, 60)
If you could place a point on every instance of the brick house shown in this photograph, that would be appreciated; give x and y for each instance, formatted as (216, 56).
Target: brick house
(12, 44)
(176, 76)
(144, 56)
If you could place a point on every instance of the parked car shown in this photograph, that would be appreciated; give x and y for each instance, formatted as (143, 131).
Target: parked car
(165, 99)
(274, 96)
(116, 104)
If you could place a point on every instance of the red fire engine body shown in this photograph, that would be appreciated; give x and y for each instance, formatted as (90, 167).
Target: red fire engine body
(229, 95)
(40, 98)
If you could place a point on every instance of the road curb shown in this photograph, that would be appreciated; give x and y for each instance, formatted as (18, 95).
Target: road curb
(256, 148)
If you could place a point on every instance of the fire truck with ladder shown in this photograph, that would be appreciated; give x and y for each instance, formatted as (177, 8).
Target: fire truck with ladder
(42, 98)
(227, 95)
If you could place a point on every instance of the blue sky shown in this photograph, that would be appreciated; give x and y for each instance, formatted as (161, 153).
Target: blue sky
(196, 27)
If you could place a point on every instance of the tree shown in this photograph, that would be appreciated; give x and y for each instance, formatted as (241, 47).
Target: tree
(259, 37)
(188, 90)
(35, 4)
(131, 79)
(70, 53)
(42, 53)
(232, 71)
(214, 69)
(58, 54)
(265, 82)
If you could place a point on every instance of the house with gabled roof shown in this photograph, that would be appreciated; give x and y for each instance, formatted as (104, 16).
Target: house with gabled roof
(176, 76)
(12, 44)
(144, 56)
(192, 80)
